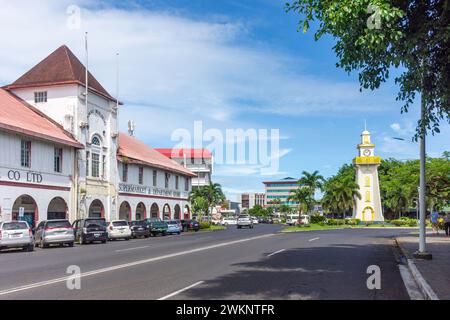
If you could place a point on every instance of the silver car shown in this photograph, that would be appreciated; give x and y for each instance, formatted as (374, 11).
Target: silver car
(244, 221)
(58, 232)
(16, 234)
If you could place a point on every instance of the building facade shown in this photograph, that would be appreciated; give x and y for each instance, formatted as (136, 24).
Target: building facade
(280, 190)
(56, 89)
(249, 200)
(199, 161)
(368, 208)
(37, 168)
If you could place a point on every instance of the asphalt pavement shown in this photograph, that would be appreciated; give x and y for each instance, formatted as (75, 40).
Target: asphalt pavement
(259, 263)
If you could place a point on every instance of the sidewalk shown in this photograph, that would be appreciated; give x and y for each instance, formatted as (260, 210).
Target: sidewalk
(436, 272)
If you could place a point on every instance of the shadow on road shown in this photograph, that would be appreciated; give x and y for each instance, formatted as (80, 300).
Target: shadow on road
(333, 272)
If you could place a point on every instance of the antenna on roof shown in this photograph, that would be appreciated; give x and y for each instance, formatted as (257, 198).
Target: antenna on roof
(117, 80)
(86, 68)
(131, 127)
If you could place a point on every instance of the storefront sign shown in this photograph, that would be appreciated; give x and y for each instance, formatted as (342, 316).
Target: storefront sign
(131, 188)
(28, 176)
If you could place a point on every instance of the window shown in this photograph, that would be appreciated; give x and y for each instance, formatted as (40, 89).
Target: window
(104, 167)
(25, 153)
(96, 141)
(186, 184)
(40, 97)
(95, 165)
(141, 175)
(155, 178)
(166, 184)
(125, 172)
(58, 157)
(88, 156)
(177, 180)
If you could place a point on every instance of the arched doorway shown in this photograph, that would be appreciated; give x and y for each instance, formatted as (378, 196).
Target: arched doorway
(125, 211)
(25, 205)
(141, 211)
(57, 209)
(187, 212)
(154, 211)
(96, 209)
(166, 212)
(177, 212)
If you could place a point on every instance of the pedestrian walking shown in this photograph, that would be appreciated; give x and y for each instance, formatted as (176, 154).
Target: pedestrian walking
(434, 221)
(447, 224)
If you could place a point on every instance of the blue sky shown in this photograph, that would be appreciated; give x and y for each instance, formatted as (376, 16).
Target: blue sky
(231, 64)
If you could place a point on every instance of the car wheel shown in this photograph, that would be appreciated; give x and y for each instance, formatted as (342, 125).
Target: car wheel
(30, 247)
(82, 241)
(196, 230)
(70, 244)
(43, 244)
(126, 239)
(103, 241)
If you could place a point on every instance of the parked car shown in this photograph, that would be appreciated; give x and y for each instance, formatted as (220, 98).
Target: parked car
(255, 220)
(244, 221)
(173, 226)
(156, 226)
(293, 219)
(16, 234)
(58, 232)
(139, 228)
(90, 229)
(119, 229)
(228, 221)
(190, 224)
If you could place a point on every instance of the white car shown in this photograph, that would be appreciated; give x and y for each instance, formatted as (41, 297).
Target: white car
(228, 221)
(293, 219)
(255, 220)
(16, 234)
(244, 221)
(119, 229)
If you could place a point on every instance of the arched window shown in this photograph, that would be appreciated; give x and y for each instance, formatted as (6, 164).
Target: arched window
(96, 141)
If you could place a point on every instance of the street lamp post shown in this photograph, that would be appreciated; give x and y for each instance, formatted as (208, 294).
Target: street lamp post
(422, 252)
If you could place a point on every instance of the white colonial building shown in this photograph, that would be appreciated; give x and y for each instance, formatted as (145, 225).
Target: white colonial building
(55, 90)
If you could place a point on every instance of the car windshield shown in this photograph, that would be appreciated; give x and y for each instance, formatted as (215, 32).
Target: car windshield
(95, 222)
(137, 223)
(119, 223)
(243, 217)
(58, 224)
(172, 222)
(15, 226)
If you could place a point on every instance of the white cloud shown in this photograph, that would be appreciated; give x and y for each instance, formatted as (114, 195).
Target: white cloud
(407, 128)
(191, 66)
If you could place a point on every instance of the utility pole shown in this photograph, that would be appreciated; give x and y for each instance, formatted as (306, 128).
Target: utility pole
(422, 252)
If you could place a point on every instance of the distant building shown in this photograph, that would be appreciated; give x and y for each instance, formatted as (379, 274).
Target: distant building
(198, 161)
(249, 200)
(281, 189)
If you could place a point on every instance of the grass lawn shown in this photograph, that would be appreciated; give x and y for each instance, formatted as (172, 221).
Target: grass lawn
(315, 227)
(214, 228)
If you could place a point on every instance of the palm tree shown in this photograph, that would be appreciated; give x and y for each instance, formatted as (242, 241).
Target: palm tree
(340, 195)
(398, 199)
(213, 194)
(313, 181)
(305, 200)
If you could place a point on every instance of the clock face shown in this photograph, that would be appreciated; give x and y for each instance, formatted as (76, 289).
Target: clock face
(367, 152)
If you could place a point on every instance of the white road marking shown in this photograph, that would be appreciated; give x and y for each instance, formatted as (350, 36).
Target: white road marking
(128, 265)
(129, 249)
(180, 291)
(313, 239)
(273, 253)
(410, 284)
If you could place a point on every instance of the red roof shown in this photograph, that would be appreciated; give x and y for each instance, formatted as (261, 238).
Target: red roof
(60, 67)
(189, 153)
(18, 116)
(137, 151)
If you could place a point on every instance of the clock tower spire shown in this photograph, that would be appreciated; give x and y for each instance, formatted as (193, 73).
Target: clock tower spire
(368, 208)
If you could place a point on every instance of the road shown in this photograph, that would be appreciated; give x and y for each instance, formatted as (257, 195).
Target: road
(260, 263)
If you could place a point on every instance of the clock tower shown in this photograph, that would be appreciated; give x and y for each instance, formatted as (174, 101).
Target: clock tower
(368, 208)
